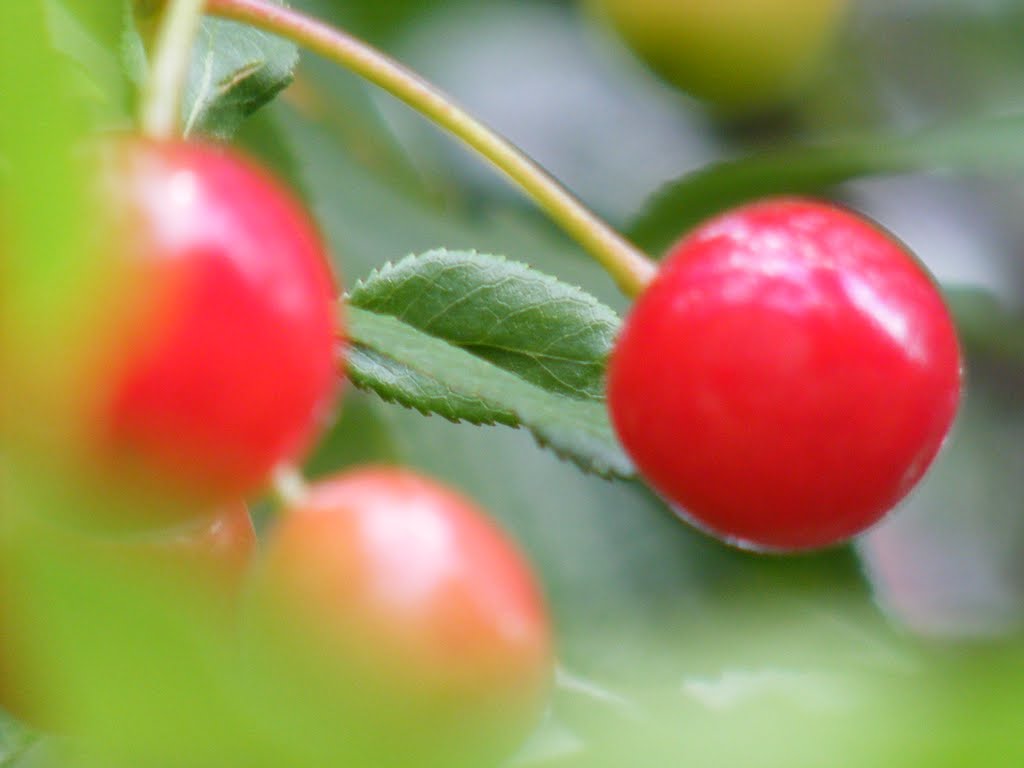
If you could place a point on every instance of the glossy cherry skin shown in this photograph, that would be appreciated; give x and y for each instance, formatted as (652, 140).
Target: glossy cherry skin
(397, 601)
(226, 362)
(787, 377)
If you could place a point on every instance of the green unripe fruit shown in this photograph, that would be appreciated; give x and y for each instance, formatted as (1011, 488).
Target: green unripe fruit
(740, 55)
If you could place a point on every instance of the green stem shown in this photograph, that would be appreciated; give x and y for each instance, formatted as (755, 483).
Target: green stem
(629, 267)
(161, 99)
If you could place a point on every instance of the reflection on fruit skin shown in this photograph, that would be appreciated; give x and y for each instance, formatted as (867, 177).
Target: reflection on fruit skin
(387, 599)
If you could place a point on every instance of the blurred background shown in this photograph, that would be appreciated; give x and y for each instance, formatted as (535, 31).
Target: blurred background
(900, 649)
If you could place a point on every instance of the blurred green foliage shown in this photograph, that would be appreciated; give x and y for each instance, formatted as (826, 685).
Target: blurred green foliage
(674, 649)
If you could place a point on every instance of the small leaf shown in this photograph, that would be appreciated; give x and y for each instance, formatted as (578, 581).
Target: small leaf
(420, 371)
(398, 383)
(549, 333)
(991, 145)
(236, 69)
(984, 323)
(89, 33)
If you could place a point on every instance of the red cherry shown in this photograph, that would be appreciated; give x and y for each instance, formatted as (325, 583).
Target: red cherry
(787, 377)
(227, 362)
(399, 604)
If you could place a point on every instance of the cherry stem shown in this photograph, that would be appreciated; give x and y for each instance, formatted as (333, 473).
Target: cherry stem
(160, 117)
(629, 267)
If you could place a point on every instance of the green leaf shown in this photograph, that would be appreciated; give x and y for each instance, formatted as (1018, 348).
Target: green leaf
(608, 554)
(405, 365)
(397, 383)
(547, 332)
(984, 323)
(235, 70)
(992, 145)
(90, 34)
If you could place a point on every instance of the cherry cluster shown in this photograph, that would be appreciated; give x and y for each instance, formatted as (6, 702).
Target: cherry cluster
(221, 367)
(785, 379)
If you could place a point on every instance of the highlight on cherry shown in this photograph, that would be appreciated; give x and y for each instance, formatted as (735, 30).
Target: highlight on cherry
(788, 377)
(313, 453)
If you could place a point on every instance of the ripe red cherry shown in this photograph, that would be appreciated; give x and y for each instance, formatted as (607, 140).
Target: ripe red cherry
(394, 602)
(787, 377)
(226, 363)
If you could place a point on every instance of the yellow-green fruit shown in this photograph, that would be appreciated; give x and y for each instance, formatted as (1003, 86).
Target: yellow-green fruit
(741, 55)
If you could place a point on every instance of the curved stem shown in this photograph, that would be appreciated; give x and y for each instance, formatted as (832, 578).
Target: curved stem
(630, 268)
(161, 99)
